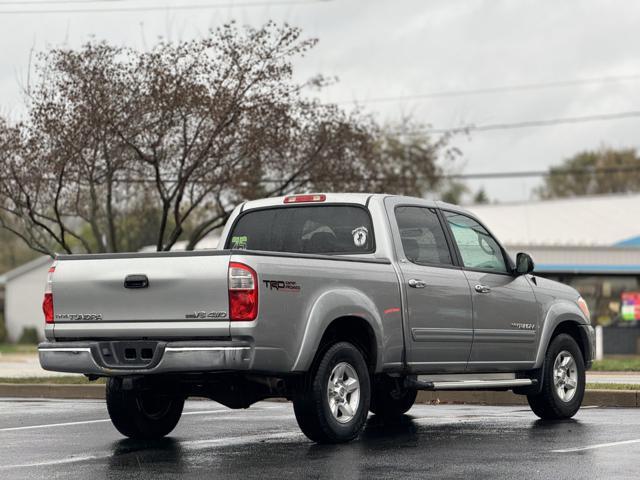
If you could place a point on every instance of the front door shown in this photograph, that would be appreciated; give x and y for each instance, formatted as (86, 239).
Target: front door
(438, 327)
(505, 311)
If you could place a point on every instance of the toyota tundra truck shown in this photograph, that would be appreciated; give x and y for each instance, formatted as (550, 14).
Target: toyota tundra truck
(344, 304)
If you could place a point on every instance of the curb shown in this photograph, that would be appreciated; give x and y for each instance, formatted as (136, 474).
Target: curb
(600, 398)
(47, 390)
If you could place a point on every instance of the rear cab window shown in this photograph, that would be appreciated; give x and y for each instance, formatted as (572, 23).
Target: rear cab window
(319, 229)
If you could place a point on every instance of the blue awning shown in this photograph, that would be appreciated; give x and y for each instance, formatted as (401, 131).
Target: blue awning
(587, 268)
(629, 242)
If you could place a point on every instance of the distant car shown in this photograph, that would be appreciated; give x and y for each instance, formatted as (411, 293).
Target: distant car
(343, 303)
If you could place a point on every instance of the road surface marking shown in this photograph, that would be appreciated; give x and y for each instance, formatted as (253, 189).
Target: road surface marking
(56, 462)
(189, 444)
(87, 422)
(241, 440)
(51, 425)
(205, 412)
(593, 447)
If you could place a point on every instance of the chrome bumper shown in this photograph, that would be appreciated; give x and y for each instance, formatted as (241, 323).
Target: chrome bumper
(168, 357)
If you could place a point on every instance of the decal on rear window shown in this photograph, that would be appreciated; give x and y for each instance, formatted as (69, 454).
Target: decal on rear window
(239, 243)
(360, 236)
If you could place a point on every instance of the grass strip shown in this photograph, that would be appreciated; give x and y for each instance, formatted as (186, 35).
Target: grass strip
(630, 364)
(17, 348)
(612, 386)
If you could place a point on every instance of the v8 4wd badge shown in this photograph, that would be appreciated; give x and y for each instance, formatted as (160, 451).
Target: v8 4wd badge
(202, 315)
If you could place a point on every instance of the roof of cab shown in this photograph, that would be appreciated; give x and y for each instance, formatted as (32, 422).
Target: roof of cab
(358, 198)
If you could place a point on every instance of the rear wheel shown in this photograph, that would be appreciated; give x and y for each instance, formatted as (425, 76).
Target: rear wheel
(142, 415)
(390, 398)
(334, 406)
(563, 380)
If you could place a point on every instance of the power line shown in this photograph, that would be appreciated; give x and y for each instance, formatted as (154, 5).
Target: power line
(522, 174)
(529, 123)
(151, 8)
(449, 176)
(544, 173)
(55, 2)
(497, 89)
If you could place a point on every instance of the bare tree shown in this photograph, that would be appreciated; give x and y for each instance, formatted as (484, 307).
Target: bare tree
(122, 147)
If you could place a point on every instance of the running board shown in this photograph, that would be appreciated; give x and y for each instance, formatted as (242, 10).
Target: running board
(471, 384)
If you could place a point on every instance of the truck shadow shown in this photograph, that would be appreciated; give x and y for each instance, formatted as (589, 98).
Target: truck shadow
(165, 454)
(402, 447)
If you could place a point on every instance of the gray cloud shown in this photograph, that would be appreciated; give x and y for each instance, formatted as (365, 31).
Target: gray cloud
(403, 47)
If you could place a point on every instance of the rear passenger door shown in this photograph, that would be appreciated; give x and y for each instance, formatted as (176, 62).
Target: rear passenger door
(436, 295)
(505, 311)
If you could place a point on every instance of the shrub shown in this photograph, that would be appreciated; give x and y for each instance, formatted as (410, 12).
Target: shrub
(29, 336)
(3, 329)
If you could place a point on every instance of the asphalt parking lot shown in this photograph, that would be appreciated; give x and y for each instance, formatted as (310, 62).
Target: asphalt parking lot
(74, 438)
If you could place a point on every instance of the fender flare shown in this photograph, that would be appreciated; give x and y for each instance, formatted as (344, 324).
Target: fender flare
(561, 311)
(328, 307)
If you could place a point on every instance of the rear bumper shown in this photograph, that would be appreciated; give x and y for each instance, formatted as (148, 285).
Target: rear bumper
(96, 358)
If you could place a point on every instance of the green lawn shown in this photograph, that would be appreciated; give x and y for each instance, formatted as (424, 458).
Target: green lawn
(66, 380)
(16, 348)
(617, 364)
(612, 386)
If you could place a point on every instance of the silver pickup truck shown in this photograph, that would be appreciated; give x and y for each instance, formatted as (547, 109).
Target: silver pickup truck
(342, 303)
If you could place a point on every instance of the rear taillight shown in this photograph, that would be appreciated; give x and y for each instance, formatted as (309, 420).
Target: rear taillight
(47, 307)
(47, 303)
(243, 292)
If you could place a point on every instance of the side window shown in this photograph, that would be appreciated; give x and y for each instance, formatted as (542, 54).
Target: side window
(478, 249)
(423, 239)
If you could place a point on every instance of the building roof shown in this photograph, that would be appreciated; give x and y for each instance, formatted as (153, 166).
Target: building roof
(610, 220)
(27, 267)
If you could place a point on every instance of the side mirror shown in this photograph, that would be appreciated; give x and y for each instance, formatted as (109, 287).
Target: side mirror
(524, 263)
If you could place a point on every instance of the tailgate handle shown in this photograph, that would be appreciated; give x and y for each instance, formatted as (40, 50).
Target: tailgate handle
(136, 281)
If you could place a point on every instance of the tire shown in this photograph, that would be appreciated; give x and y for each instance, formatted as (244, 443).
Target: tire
(327, 410)
(390, 399)
(557, 400)
(141, 415)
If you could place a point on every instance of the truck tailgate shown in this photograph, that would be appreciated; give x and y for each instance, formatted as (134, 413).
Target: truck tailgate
(185, 295)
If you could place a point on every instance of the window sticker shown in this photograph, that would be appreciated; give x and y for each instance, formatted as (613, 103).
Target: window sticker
(360, 236)
(239, 243)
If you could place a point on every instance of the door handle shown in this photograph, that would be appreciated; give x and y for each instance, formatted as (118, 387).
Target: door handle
(417, 283)
(136, 281)
(482, 289)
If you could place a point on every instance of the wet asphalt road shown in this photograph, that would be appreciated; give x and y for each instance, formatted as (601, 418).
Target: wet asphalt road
(264, 442)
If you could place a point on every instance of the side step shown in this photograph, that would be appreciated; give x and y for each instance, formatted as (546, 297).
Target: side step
(470, 384)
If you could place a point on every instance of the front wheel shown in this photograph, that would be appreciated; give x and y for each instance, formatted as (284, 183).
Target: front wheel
(563, 381)
(142, 415)
(335, 402)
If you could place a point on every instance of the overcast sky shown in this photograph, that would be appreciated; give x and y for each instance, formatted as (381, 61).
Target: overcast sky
(390, 48)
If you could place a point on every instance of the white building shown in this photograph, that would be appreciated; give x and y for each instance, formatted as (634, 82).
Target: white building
(23, 294)
(582, 235)
(24, 291)
(590, 243)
